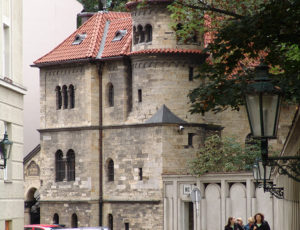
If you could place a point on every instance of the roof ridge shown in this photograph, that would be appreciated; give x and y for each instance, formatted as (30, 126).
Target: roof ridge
(95, 35)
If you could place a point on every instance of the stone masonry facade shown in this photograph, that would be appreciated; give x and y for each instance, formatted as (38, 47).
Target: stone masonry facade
(99, 132)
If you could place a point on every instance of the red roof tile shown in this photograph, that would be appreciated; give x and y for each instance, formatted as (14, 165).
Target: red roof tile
(167, 51)
(89, 47)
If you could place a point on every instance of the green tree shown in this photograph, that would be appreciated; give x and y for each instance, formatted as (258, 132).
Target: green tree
(96, 5)
(243, 32)
(224, 155)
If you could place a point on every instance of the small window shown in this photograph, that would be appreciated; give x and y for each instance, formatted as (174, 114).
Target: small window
(79, 38)
(65, 96)
(119, 35)
(110, 169)
(71, 165)
(58, 97)
(110, 221)
(148, 32)
(191, 73)
(141, 34)
(140, 173)
(59, 166)
(126, 226)
(55, 219)
(110, 95)
(72, 96)
(140, 95)
(190, 139)
(74, 221)
(135, 36)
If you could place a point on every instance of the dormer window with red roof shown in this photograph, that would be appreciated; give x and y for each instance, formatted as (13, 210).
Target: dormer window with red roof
(119, 35)
(79, 38)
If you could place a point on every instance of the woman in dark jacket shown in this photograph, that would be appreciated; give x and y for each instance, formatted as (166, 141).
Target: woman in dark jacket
(260, 223)
(231, 225)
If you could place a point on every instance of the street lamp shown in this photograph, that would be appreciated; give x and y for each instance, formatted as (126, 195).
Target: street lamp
(5, 147)
(263, 107)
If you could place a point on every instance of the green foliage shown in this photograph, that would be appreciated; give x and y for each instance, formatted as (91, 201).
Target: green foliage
(244, 32)
(224, 155)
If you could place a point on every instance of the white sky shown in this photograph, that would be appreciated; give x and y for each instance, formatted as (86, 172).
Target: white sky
(46, 23)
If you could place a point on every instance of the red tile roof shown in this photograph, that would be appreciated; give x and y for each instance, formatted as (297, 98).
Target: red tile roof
(100, 31)
(89, 47)
(167, 51)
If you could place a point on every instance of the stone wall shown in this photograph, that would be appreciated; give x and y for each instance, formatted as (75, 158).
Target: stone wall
(85, 145)
(139, 216)
(86, 82)
(163, 36)
(87, 212)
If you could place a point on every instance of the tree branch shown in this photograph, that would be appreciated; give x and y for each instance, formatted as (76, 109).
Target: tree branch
(210, 8)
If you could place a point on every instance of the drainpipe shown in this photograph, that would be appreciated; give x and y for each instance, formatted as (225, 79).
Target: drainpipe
(100, 67)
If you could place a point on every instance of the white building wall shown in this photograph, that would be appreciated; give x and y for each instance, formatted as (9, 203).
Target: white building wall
(222, 196)
(11, 113)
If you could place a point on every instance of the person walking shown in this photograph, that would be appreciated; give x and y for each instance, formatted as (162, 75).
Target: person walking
(250, 223)
(232, 225)
(260, 223)
(239, 221)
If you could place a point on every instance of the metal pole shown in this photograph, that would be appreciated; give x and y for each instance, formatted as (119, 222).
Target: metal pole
(264, 158)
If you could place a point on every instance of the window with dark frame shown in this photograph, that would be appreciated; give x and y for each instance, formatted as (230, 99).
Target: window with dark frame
(110, 169)
(140, 95)
(148, 31)
(65, 96)
(191, 73)
(126, 226)
(55, 219)
(141, 34)
(71, 165)
(59, 166)
(74, 223)
(110, 95)
(190, 139)
(140, 173)
(72, 96)
(58, 97)
(110, 221)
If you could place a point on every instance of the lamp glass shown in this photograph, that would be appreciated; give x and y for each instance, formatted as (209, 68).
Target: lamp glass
(262, 169)
(270, 105)
(253, 108)
(263, 114)
(255, 172)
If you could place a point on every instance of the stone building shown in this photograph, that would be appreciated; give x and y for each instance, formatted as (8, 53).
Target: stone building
(116, 128)
(11, 115)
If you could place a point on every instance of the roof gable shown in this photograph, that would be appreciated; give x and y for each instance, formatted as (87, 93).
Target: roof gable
(93, 31)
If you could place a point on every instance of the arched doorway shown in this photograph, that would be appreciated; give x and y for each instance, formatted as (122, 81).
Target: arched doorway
(32, 203)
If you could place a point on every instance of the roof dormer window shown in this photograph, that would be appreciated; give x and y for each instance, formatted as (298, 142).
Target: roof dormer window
(79, 38)
(119, 35)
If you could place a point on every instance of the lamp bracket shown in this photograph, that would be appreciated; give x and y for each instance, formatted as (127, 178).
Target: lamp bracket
(287, 165)
(278, 192)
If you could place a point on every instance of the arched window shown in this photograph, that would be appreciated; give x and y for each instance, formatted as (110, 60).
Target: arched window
(59, 166)
(65, 96)
(110, 95)
(110, 221)
(72, 96)
(55, 219)
(141, 34)
(135, 36)
(70, 165)
(58, 97)
(110, 170)
(148, 31)
(74, 221)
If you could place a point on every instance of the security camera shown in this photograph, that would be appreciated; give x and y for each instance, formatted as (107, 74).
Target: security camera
(181, 128)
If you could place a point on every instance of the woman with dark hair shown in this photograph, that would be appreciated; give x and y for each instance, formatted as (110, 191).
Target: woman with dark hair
(260, 223)
(232, 225)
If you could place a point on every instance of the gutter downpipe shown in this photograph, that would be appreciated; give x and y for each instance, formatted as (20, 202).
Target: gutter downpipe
(100, 67)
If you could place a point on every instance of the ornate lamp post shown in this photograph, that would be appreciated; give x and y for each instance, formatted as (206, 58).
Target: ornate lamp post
(263, 106)
(5, 147)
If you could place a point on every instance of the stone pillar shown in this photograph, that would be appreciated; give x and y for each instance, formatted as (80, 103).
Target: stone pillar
(223, 201)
